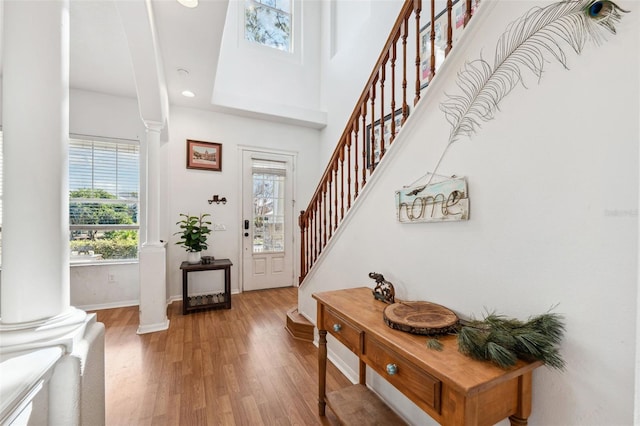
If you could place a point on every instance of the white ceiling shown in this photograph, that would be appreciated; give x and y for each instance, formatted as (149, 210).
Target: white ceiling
(188, 38)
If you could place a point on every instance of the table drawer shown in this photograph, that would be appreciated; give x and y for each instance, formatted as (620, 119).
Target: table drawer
(343, 330)
(416, 384)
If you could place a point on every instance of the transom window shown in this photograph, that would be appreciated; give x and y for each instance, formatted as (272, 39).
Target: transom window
(268, 22)
(104, 182)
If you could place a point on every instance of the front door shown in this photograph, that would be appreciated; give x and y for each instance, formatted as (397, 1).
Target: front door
(267, 225)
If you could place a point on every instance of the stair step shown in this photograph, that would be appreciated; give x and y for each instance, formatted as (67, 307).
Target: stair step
(298, 326)
(358, 405)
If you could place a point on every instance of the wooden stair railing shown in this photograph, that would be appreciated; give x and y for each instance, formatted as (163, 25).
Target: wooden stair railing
(364, 140)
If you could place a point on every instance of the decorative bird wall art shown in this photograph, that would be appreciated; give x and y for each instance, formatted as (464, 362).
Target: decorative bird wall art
(527, 44)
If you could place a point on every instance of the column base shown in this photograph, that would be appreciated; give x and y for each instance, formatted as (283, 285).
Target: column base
(153, 291)
(54, 380)
(152, 328)
(58, 330)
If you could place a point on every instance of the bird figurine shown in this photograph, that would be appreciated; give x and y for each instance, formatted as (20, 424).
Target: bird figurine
(384, 290)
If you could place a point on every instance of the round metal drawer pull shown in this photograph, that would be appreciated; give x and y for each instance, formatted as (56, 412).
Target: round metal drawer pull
(337, 327)
(392, 369)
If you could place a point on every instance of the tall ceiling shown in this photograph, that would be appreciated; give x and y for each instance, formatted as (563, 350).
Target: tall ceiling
(99, 53)
(188, 38)
(181, 38)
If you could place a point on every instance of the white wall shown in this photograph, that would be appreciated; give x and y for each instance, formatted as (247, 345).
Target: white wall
(105, 286)
(187, 190)
(348, 56)
(267, 81)
(553, 184)
(97, 114)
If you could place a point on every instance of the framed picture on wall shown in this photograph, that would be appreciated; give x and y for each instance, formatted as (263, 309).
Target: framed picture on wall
(439, 43)
(381, 133)
(204, 155)
(440, 31)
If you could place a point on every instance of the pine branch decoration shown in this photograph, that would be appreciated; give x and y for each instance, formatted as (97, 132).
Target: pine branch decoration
(525, 45)
(503, 341)
(435, 344)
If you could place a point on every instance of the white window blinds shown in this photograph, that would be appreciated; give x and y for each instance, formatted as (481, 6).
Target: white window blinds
(104, 186)
(108, 168)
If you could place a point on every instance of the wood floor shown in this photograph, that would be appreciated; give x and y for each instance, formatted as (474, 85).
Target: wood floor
(220, 367)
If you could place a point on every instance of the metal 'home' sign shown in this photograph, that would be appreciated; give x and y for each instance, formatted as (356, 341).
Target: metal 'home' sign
(435, 202)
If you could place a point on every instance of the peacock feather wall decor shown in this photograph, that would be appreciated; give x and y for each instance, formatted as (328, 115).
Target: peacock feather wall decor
(527, 44)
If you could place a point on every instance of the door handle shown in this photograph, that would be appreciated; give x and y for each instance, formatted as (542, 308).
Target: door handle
(246, 224)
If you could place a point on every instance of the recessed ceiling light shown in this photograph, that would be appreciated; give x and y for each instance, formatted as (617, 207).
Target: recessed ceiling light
(188, 93)
(188, 3)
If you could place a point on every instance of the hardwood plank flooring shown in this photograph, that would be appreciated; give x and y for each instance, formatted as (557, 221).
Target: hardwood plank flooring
(217, 367)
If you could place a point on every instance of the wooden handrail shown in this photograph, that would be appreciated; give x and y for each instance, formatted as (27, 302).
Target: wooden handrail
(364, 97)
(363, 142)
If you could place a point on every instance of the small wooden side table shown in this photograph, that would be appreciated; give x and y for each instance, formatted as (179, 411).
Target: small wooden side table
(211, 301)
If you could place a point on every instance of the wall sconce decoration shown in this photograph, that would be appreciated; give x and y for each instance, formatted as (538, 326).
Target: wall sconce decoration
(218, 199)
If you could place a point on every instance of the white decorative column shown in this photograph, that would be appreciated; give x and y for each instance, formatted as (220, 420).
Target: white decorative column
(153, 182)
(139, 26)
(152, 258)
(43, 340)
(35, 231)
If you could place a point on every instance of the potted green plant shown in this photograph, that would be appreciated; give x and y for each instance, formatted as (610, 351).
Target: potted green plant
(193, 235)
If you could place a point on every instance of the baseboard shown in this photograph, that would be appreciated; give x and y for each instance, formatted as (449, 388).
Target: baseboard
(110, 305)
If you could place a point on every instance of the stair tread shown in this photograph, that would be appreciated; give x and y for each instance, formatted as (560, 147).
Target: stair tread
(357, 405)
(297, 317)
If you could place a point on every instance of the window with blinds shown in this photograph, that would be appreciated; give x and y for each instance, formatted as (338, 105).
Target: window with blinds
(104, 184)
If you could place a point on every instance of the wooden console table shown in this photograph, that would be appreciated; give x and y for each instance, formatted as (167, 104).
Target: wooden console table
(449, 386)
(189, 304)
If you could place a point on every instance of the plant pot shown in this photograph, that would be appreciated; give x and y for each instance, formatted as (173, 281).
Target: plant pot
(193, 257)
